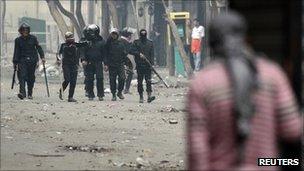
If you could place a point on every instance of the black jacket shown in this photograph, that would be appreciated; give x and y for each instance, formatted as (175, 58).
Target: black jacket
(146, 48)
(95, 50)
(26, 49)
(127, 45)
(70, 53)
(116, 53)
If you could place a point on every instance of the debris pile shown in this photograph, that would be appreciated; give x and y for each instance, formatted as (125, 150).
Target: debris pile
(168, 108)
(88, 148)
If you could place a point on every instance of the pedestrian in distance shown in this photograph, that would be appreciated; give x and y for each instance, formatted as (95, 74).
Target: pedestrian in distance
(126, 38)
(116, 59)
(68, 57)
(93, 58)
(143, 51)
(26, 60)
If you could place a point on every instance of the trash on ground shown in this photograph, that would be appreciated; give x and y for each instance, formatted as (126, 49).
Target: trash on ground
(88, 148)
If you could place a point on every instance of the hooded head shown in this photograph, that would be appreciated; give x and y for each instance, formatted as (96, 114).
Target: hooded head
(114, 33)
(227, 34)
(224, 28)
(24, 29)
(143, 34)
(126, 32)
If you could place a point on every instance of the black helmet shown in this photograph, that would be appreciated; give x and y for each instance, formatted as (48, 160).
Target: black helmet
(84, 31)
(91, 31)
(93, 28)
(24, 26)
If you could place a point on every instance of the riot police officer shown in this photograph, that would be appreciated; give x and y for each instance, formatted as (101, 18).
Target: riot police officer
(116, 58)
(93, 58)
(70, 63)
(142, 49)
(25, 59)
(126, 36)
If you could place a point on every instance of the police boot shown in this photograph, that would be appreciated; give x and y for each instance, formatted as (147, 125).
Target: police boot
(71, 99)
(20, 96)
(60, 94)
(114, 97)
(29, 95)
(141, 98)
(100, 98)
(150, 97)
(120, 96)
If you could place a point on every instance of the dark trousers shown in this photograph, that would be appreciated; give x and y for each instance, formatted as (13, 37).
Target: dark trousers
(70, 77)
(144, 73)
(26, 74)
(114, 73)
(85, 77)
(129, 78)
(94, 69)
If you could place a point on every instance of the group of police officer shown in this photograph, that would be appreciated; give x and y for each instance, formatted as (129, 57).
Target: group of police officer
(96, 56)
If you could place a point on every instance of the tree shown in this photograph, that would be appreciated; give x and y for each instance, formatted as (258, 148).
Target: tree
(63, 27)
(3, 12)
(105, 19)
(178, 41)
(56, 9)
(79, 14)
(70, 16)
(113, 11)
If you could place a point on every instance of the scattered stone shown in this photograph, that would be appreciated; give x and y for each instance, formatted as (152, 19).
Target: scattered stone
(173, 121)
(7, 118)
(164, 161)
(142, 162)
(168, 108)
(58, 133)
(107, 90)
(53, 113)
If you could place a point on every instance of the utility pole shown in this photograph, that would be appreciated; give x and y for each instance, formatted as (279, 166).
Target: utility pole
(91, 11)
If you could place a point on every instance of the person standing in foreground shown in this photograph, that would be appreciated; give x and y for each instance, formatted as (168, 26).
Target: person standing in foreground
(198, 32)
(70, 63)
(143, 50)
(115, 61)
(239, 106)
(94, 56)
(25, 59)
(126, 36)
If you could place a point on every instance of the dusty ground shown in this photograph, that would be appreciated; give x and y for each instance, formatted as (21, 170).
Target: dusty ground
(34, 133)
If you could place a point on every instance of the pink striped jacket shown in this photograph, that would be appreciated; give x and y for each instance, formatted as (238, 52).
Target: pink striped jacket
(211, 132)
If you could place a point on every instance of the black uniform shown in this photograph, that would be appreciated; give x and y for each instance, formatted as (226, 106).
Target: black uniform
(70, 63)
(129, 65)
(94, 55)
(25, 55)
(116, 59)
(144, 46)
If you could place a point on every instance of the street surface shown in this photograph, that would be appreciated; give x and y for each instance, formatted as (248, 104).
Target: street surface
(50, 134)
